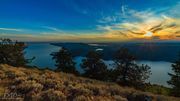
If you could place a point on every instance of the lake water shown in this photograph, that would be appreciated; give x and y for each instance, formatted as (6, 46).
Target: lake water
(41, 52)
(43, 59)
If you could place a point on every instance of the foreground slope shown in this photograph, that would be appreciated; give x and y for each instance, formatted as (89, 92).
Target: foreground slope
(32, 84)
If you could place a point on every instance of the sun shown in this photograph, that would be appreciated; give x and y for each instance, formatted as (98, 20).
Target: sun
(148, 34)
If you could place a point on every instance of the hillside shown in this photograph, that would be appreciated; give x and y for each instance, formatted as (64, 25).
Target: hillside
(32, 84)
(150, 51)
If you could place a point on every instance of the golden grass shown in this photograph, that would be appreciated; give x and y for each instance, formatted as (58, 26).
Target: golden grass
(44, 85)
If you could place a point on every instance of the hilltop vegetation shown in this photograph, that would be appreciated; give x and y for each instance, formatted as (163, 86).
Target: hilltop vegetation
(32, 84)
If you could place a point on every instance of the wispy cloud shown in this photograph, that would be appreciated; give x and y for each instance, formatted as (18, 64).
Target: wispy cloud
(104, 28)
(174, 11)
(11, 29)
(52, 28)
(108, 19)
(136, 24)
(123, 9)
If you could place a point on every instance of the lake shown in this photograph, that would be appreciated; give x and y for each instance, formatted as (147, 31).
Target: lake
(43, 59)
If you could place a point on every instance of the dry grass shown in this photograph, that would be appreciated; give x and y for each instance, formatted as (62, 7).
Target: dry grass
(31, 84)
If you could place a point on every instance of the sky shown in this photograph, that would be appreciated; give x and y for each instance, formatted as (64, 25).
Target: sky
(90, 20)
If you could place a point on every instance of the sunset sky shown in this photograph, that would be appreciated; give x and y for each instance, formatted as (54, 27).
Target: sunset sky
(90, 20)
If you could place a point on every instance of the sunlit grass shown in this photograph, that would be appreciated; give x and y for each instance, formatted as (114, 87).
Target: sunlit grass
(35, 84)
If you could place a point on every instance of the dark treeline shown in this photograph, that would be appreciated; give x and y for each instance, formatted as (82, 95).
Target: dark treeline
(175, 78)
(125, 70)
(12, 53)
(64, 61)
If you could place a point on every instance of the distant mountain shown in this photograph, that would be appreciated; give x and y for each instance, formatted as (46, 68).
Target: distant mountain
(143, 51)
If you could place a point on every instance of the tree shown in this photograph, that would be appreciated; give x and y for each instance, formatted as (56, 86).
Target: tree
(93, 66)
(64, 61)
(12, 53)
(126, 71)
(175, 78)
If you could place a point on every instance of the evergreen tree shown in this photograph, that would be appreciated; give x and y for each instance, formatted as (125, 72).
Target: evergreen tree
(94, 66)
(12, 53)
(126, 71)
(175, 78)
(64, 61)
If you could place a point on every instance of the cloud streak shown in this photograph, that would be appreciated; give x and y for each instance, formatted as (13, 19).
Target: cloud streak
(137, 23)
(52, 28)
(11, 29)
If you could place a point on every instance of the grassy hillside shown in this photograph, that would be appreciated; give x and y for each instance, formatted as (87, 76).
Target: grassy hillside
(32, 84)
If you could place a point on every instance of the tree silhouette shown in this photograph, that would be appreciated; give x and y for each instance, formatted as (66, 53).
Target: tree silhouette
(126, 71)
(64, 61)
(175, 78)
(12, 53)
(94, 67)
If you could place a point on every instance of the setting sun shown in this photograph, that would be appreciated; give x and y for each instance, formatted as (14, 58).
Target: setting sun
(148, 34)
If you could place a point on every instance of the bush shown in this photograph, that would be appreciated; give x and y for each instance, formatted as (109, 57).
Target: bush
(80, 98)
(119, 98)
(59, 87)
(10, 74)
(29, 86)
(156, 89)
(137, 96)
(49, 84)
(52, 95)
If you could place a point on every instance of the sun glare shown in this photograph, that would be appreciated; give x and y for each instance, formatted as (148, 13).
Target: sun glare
(148, 34)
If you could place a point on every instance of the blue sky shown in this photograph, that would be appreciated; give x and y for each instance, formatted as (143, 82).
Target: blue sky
(89, 20)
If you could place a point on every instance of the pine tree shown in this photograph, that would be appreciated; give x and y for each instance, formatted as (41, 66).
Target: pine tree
(12, 53)
(94, 66)
(175, 78)
(126, 71)
(64, 61)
